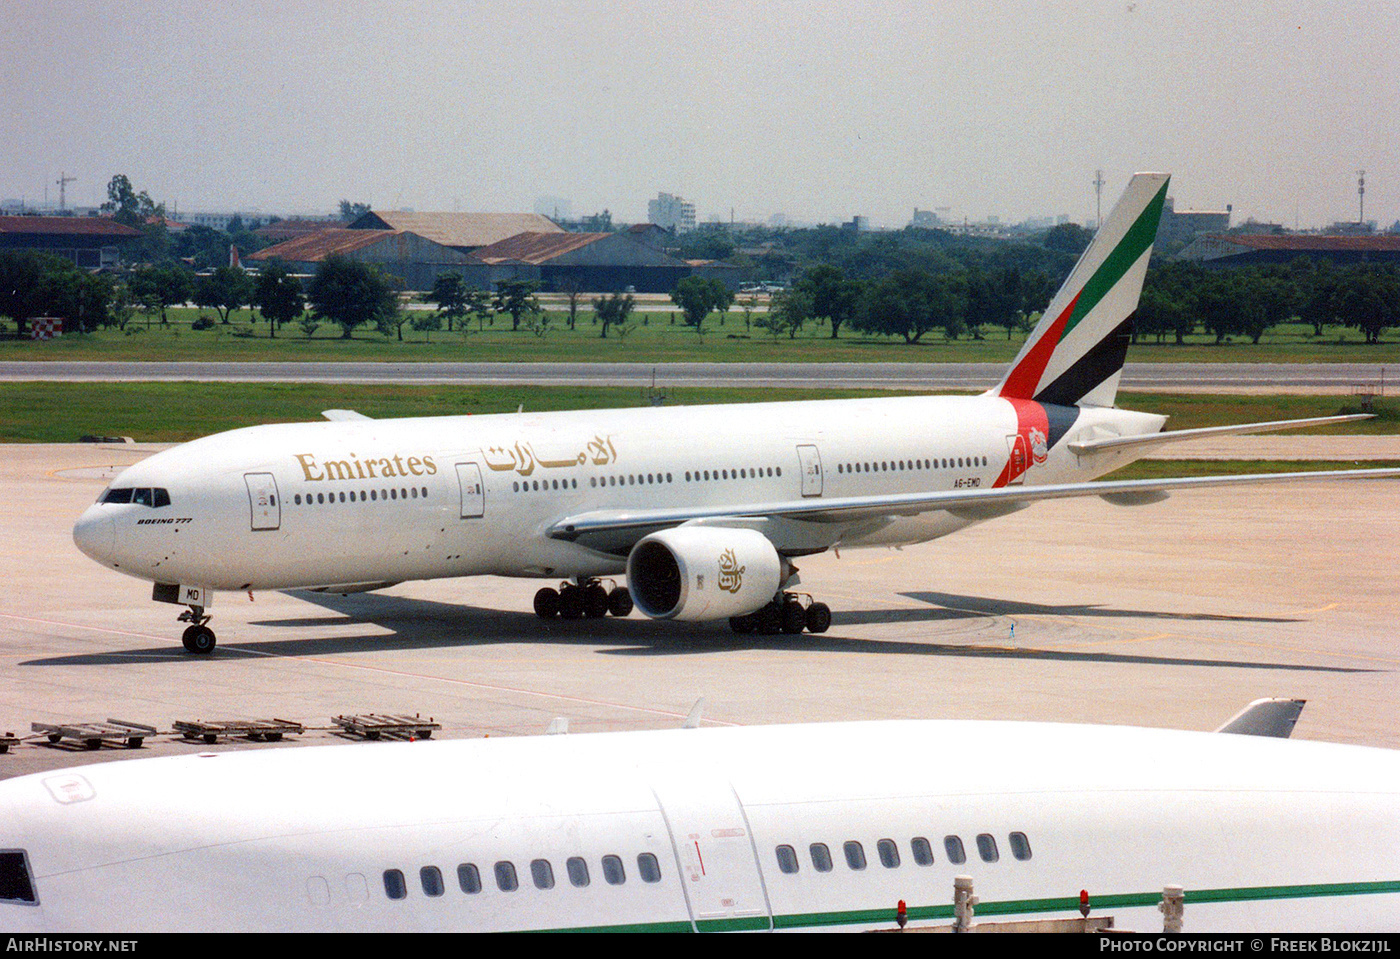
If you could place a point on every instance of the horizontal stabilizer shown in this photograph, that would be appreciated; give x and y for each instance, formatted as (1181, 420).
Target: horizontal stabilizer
(1114, 443)
(343, 416)
(1266, 717)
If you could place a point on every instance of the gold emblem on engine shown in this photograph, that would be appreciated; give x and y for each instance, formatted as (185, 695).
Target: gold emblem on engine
(731, 574)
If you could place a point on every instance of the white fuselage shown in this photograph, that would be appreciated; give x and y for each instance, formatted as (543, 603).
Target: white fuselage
(378, 501)
(742, 828)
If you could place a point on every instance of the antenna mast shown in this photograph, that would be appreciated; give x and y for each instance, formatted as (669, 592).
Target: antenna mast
(63, 180)
(1361, 197)
(1098, 197)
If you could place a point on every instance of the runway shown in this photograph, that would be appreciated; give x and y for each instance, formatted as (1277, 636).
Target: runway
(1175, 614)
(1152, 377)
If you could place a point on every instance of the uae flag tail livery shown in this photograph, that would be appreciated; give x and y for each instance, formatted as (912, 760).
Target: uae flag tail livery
(1074, 357)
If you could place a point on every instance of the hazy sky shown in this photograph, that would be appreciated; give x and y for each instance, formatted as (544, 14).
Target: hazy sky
(817, 110)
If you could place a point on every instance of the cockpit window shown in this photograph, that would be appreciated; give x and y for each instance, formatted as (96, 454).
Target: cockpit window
(140, 496)
(15, 882)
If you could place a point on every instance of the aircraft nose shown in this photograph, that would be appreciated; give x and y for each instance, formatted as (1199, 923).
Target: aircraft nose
(95, 534)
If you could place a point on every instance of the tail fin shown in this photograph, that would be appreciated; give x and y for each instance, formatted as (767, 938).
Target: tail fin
(1075, 354)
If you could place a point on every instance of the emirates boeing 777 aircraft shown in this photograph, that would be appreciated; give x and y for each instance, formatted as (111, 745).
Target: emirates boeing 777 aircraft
(705, 509)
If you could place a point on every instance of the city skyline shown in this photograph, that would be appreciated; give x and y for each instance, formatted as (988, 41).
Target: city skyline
(819, 113)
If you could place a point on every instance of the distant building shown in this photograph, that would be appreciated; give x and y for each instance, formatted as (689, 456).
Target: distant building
(290, 229)
(557, 208)
(1234, 249)
(463, 232)
(925, 219)
(91, 242)
(1182, 226)
(414, 259)
(595, 262)
(858, 224)
(217, 221)
(671, 213)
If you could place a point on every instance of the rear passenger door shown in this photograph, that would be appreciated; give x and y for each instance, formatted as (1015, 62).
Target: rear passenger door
(714, 853)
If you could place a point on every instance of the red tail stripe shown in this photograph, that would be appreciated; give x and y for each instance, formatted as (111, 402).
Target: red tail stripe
(1025, 377)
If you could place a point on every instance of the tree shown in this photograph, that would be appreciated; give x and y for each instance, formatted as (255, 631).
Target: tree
(21, 276)
(831, 295)
(994, 298)
(787, 313)
(349, 212)
(517, 297)
(1368, 299)
(910, 303)
(449, 292)
(127, 206)
(612, 311)
(278, 294)
(425, 323)
(225, 290)
(350, 294)
(573, 289)
(1068, 238)
(157, 288)
(698, 297)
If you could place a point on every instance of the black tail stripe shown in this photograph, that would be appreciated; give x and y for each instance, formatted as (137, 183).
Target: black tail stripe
(1091, 369)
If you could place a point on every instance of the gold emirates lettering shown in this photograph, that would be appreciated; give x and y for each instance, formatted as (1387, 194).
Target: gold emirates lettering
(355, 468)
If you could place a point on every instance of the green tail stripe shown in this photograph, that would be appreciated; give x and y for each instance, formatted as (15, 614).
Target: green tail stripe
(1138, 238)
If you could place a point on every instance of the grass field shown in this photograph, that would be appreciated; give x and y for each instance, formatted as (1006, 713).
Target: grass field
(656, 337)
(172, 412)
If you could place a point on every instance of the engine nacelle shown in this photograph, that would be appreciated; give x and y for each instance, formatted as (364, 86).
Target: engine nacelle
(695, 573)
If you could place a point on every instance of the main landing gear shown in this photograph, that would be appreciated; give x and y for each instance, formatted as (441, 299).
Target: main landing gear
(583, 597)
(198, 638)
(785, 614)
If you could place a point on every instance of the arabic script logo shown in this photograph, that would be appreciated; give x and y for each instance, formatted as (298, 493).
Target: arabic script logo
(731, 574)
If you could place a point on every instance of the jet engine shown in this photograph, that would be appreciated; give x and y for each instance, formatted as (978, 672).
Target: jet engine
(695, 573)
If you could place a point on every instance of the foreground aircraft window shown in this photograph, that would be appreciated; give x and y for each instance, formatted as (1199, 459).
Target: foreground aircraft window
(141, 497)
(648, 867)
(923, 852)
(1020, 846)
(543, 873)
(505, 877)
(578, 871)
(297, 499)
(469, 878)
(821, 856)
(342, 499)
(613, 871)
(161, 497)
(787, 859)
(987, 847)
(952, 845)
(855, 855)
(889, 853)
(431, 878)
(394, 885)
(15, 884)
(116, 496)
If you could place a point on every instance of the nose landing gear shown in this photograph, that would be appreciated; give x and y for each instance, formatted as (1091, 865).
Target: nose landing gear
(585, 597)
(785, 614)
(198, 637)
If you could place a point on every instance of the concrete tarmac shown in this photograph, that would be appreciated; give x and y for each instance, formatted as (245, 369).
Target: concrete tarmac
(1175, 614)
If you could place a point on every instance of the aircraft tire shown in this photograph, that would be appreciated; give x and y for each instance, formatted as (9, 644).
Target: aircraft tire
(769, 620)
(547, 603)
(570, 603)
(199, 640)
(818, 618)
(794, 617)
(595, 601)
(620, 602)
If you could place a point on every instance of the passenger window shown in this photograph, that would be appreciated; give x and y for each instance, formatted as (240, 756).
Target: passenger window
(1020, 846)
(506, 880)
(578, 871)
(923, 852)
(821, 856)
(394, 885)
(648, 868)
(431, 878)
(542, 873)
(613, 871)
(987, 847)
(469, 878)
(787, 859)
(953, 846)
(855, 855)
(889, 853)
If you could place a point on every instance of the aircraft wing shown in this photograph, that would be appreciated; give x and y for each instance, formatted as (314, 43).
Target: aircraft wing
(811, 525)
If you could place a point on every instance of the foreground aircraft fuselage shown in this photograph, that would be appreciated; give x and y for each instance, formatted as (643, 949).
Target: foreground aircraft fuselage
(781, 827)
(705, 509)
